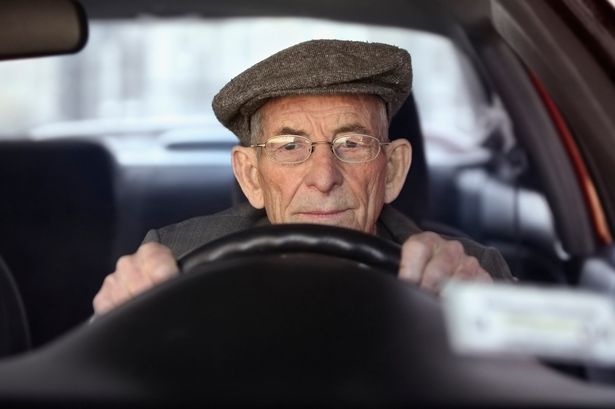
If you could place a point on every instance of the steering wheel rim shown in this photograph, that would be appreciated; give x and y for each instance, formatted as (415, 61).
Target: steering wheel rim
(280, 239)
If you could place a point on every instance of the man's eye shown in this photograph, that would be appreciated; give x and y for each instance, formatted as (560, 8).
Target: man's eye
(349, 144)
(290, 146)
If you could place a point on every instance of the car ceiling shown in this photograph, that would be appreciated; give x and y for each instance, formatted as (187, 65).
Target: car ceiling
(435, 15)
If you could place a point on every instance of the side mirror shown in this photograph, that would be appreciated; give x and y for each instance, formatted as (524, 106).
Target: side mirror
(35, 28)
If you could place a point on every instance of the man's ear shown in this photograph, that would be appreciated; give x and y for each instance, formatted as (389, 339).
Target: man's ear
(399, 158)
(245, 168)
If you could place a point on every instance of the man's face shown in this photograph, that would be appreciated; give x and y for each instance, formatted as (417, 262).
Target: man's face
(322, 189)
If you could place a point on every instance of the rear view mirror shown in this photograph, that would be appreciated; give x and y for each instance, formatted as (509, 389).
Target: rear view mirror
(34, 28)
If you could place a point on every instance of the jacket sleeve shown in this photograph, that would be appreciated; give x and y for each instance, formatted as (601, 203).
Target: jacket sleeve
(151, 236)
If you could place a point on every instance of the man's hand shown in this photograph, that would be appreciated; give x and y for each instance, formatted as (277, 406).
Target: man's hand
(152, 264)
(429, 261)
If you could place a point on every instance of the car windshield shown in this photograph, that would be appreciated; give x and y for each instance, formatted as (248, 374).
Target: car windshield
(150, 76)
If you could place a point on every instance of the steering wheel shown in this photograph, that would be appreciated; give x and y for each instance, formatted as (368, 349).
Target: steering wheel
(280, 316)
(284, 239)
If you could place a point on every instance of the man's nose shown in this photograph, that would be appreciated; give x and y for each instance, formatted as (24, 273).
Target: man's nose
(323, 169)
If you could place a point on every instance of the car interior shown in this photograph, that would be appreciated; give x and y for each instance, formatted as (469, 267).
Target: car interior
(77, 197)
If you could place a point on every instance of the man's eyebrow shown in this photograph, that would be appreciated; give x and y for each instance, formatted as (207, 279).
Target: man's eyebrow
(290, 131)
(353, 128)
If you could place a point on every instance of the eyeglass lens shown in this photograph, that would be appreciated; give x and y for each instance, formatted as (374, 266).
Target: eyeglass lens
(353, 148)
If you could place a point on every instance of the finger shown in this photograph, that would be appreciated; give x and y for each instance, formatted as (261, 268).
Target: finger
(118, 293)
(157, 262)
(114, 291)
(415, 254)
(471, 270)
(442, 266)
(130, 276)
(102, 303)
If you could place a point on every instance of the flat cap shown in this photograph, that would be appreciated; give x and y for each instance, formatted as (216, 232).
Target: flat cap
(314, 68)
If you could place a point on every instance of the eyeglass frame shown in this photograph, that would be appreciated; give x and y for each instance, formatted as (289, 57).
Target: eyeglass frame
(313, 143)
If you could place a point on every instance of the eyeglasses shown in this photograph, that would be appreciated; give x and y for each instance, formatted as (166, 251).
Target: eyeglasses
(349, 148)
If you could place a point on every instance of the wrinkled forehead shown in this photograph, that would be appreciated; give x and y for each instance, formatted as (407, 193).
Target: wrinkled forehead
(306, 114)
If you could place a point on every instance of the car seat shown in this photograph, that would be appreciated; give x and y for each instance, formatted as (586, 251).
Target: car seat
(14, 331)
(413, 199)
(57, 223)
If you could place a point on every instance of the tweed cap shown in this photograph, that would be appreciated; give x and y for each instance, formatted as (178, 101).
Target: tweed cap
(314, 68)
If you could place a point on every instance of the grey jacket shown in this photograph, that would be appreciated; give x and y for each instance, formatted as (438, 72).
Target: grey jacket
(190, 234)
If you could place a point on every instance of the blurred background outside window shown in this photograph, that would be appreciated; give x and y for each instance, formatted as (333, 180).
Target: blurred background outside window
(151, 76)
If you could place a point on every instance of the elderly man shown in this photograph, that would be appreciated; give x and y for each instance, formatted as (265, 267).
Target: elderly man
(312, 121)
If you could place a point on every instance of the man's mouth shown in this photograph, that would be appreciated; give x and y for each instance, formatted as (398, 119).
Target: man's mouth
(321, 214)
